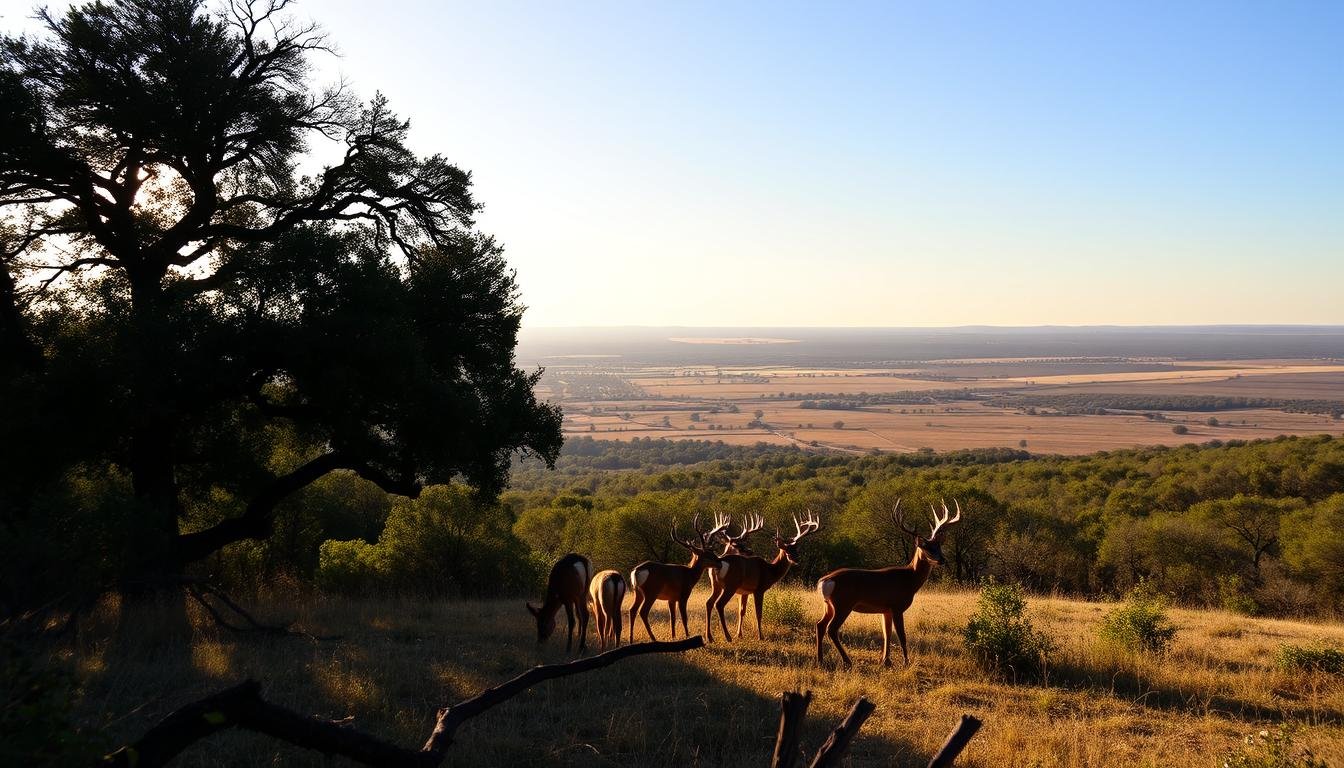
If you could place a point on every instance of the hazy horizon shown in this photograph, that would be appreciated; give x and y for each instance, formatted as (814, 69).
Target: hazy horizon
(614, 326)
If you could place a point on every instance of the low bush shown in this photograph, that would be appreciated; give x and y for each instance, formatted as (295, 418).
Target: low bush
(1001, 637)
(785, 608)
(1272, 749)
(36, 726)
(1234, 598)
(1140, 623)
(1310, 658)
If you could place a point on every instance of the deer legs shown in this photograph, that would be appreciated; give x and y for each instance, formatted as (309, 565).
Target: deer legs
(583, 625)
(899, 621)
(829, 626)
(641, 607)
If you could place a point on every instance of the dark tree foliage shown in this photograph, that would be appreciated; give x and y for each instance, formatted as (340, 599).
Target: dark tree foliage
(188, 316)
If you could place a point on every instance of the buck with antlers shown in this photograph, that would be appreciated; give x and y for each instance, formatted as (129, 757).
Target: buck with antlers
(567, 587)
(751, 575)
(737, 545)
(673, 582)
(888, 591)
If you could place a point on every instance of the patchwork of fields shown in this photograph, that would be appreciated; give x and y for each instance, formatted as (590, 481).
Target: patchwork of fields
(948, 405)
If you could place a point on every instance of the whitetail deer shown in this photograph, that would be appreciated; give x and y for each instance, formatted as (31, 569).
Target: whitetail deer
(606, 593)
(653, 581)
(751, 575)
(737, 545)
(567, 587)
(888, 591)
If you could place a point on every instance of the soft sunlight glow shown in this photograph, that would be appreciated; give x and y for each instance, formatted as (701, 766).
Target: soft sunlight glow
(877, 164)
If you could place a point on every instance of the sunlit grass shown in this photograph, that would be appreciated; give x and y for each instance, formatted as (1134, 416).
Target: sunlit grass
(397, 661)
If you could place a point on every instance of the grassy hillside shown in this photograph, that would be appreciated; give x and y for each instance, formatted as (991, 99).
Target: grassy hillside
(396, 662)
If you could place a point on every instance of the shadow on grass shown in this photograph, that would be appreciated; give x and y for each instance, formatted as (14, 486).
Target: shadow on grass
(1128, 684)
(397, 662)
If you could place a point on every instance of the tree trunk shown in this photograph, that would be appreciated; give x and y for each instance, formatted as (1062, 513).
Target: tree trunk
(154, 561)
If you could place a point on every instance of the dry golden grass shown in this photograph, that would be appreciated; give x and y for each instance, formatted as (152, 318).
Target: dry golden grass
(399, 660)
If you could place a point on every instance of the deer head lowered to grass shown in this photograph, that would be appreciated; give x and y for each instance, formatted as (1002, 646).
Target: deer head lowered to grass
(888, 591)
(566, 587)
(751, 575)
(673, 582)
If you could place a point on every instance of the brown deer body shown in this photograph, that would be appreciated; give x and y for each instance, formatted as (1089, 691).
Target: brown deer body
(886, 591)
(747, 575)
(673, 582)
(606, 593)
(567, 587)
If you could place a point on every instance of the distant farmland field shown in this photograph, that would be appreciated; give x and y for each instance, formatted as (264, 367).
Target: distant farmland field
(947, 405)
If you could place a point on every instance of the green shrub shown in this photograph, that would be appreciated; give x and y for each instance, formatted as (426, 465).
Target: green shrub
(1140, 623)
(1310, 658)
(1233, 597)
(1000, 636)
(36, 727)
(1272, 749)
(785, 608)
(446, 542)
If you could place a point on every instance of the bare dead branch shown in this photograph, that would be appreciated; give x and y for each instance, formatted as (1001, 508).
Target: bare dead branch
(956, 741)
(838, 743)
(792, 714)
(243, 707)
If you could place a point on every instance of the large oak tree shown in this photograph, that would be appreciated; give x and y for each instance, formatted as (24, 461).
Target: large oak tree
(176, 293)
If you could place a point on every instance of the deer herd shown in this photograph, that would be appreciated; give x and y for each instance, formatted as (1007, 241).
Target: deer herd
(737, 571)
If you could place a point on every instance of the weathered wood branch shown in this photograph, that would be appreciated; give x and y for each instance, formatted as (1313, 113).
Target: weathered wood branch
(838, 743)
(198, 592)
(792, 714)
(956, 741)
(243, 707)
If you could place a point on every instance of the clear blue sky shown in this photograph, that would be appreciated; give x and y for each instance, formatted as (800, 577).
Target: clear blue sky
(941, 163)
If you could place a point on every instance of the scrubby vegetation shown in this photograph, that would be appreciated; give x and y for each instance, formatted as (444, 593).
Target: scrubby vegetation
(1001, 637)
(1310, 658)
(1140, 623)
(1273, 749)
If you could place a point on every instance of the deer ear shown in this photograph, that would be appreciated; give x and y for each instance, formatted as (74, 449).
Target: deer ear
(532, 609)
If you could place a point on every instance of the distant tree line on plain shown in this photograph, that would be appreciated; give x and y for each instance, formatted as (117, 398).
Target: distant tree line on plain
(853, 401)
(1101, 403)
(592, 386)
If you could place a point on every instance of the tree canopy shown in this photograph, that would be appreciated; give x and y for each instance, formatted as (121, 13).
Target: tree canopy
(191, 320)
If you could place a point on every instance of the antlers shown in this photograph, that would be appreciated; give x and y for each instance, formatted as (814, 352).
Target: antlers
(940, 524)
(750, 525)
(803, 529)
(720, 525)
(898, 517)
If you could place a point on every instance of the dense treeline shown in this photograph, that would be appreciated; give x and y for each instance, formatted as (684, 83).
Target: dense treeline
(1255, 527)
(1252, 526)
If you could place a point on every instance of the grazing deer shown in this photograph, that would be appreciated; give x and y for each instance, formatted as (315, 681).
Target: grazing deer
(566, 587)
(672, 582)
(751, 575)
(888, 591)
(606, 592)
